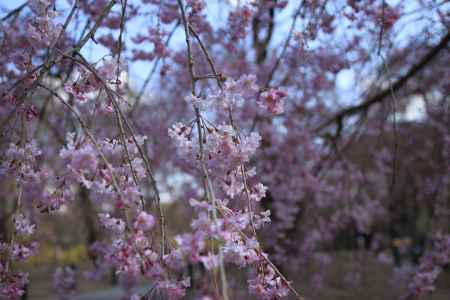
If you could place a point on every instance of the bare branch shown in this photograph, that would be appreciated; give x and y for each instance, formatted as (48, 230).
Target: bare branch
(366, 105)
(15, 11)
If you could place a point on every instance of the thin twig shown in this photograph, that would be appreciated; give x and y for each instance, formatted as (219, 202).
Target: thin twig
(15, 11)
(152, 72)
(380, 37)
(285, 46)
(122, 29)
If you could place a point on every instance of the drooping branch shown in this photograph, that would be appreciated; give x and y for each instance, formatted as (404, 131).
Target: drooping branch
(121, 117)
(207, 181)
(49, 63)
(208, 184)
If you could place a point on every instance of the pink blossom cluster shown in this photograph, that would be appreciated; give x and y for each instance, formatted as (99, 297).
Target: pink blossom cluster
(64, 281)
(154, 37)
(272, 100)
(13, 283)
(424, 279)
(85, 83)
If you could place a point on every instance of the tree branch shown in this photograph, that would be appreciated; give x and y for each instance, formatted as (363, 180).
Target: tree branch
(377, 98)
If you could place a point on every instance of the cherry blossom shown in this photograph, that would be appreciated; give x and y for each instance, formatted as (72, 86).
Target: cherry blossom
(198, 138)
